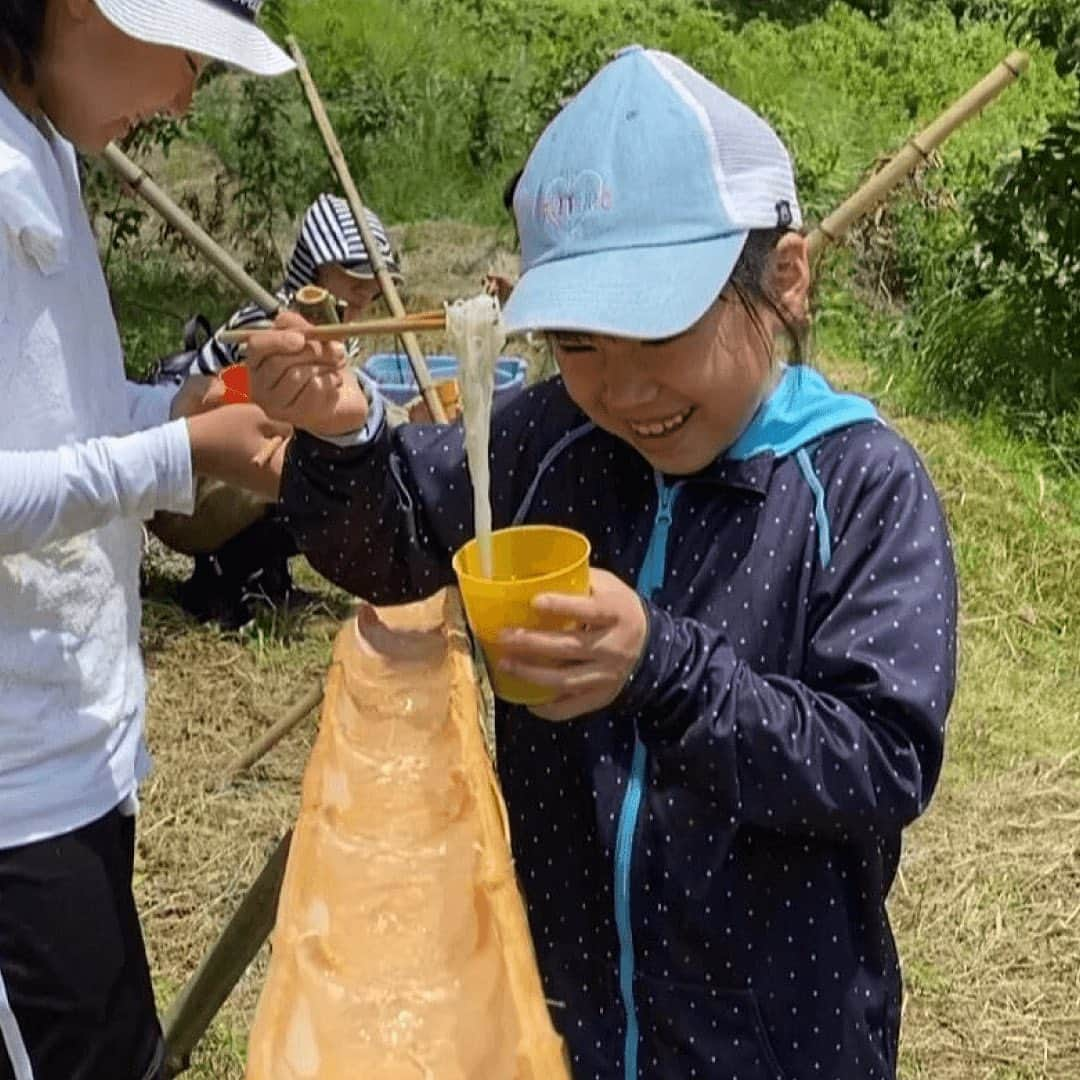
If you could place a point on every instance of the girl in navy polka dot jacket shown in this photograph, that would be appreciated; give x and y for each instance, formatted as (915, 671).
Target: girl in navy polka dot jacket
(707, 820)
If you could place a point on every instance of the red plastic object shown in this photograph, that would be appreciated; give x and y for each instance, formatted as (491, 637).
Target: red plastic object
(237, 380)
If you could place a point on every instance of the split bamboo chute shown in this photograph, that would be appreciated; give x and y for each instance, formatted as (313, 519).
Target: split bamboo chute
(402, 946)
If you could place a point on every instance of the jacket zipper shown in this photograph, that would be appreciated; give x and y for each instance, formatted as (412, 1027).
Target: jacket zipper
(650, 578)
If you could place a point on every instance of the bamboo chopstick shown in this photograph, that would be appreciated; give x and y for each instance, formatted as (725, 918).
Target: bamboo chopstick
(266, 454)
(425, 321)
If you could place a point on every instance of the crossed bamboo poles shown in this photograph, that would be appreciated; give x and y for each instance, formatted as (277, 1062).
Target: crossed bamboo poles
(198, 1003)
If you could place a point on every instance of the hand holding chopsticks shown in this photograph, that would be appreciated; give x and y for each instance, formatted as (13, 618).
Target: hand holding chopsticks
(304, 381)
(417, 323)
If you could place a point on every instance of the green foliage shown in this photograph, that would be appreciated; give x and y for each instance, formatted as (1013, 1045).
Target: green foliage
(437, 103)
(271, 162)
(151, 311)
(994, 323)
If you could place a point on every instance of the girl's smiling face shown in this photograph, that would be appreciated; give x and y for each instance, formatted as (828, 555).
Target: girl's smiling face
(681, 402)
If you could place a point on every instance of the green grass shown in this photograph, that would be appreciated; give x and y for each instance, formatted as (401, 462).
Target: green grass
(154, 297)
(1015, 520)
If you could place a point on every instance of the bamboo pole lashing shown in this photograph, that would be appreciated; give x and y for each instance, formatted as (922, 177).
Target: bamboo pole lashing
(378, 264)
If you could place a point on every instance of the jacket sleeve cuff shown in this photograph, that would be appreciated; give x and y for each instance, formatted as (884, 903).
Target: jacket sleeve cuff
(646, 678)
(676, 678)
(375, 419)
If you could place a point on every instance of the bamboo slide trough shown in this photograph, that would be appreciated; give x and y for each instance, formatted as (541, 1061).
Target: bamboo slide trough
(402, 947)
(352, 195)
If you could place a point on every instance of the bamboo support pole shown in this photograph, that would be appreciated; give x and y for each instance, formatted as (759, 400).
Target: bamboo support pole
(195, 1007)
(184, 224)
(274, 734)
(916, 149)
(386, 282)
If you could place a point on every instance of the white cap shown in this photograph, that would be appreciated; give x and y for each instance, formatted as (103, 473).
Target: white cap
(221, 29)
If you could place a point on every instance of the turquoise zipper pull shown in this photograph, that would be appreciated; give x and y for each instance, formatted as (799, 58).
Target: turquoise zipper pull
(651, 574)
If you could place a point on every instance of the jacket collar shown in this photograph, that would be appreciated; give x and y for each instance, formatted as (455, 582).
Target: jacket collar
(802, 408)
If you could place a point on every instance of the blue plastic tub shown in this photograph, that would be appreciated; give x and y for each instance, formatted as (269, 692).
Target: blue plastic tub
(394, 377)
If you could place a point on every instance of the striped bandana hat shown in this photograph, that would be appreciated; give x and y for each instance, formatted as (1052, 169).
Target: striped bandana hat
(329, 234)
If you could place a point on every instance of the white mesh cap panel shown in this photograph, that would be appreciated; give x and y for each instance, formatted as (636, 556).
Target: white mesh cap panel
(752, 166)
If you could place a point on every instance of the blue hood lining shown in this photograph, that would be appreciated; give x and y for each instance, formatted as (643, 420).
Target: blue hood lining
(801, 409)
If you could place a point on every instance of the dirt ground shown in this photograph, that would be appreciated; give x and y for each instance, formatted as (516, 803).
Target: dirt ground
(987, 907)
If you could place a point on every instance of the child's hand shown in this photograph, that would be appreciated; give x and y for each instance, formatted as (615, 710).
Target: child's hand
(586, 667)
(304, 383)
(240, 445)
(197, 394)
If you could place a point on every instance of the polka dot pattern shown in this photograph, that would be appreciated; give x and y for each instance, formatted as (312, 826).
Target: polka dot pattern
(794, 715)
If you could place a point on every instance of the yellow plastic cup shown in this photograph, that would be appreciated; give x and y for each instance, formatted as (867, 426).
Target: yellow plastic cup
(528, 560)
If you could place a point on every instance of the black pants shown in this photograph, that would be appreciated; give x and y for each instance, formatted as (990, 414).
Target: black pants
(76, 1001)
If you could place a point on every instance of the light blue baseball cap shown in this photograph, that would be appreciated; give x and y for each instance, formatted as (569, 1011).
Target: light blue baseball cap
(635, 203)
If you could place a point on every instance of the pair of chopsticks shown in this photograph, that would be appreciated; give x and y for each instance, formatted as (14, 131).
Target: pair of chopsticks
(417, 323)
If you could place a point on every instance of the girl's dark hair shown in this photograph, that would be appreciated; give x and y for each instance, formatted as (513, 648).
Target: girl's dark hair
(510, 189)
(750, 283)
(22, 24)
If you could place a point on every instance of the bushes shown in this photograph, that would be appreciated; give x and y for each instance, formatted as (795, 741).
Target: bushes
(994, 322)
(437, 102)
